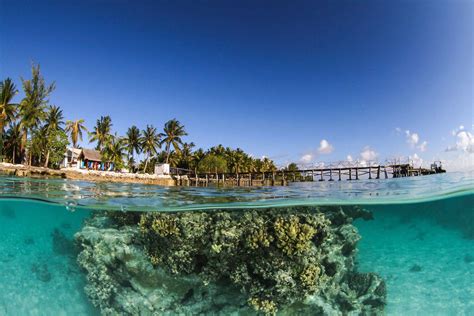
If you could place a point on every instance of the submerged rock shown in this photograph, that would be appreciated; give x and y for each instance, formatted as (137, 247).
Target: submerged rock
(468, 258)
(41, 271)
(61, 244)
(29, 241)
(416, 268)
(223, 262)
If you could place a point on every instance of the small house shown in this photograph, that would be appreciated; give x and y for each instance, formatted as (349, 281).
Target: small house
(91, 159)
(71, 157)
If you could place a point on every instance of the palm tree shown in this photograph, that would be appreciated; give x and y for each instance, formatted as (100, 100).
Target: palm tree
(101, 133)
(133, 143)
(13, 141)
(75, 128)
(173, 131)
(150, 142)
(196, 158)
(54, 118)
(54, 121)
(218, 150)
(7, 109)
(32, 107)
(186, 155)
(113, 151)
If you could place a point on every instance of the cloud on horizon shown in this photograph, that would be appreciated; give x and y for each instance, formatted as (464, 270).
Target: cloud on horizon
(368, 154)
(325, 147)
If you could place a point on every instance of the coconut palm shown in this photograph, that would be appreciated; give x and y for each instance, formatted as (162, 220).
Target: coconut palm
(32, 107)
(101, 133)
(53, 122)
(54, 118)
(173, 131)
(132, 142)
(75, 129)
(267, 165)
(13, 141)
(237, 160)
(196, 158)
(7, 109)
(150, 142)
(186, 155)
(114, 151)
(218, 150)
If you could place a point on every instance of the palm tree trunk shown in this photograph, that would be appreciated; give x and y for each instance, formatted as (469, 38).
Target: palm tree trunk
(24, 139)
(14, 155)
(1, 141)
(47, 159)
(146, 164)
(168, 147)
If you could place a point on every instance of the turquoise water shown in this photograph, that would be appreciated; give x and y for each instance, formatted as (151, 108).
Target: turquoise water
(419, 237)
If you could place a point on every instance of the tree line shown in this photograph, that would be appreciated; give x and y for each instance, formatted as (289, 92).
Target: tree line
(34, 132)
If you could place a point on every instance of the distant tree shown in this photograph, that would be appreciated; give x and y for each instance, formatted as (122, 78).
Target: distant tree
(133, 143)
(8, 109)
(13, 141)
(150, 142)
(292, 167)
(267, 165)
(75, 130)
(102, 132)
(236, 160)
(173, 131)
(218, 150)
(186, 155)
(114, 151)
(196, 159)
(54, 122)
(213, 163)
(57, 141)
(32, 107)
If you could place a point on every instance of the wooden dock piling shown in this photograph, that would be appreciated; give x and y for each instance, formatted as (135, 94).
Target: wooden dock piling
(281, 177)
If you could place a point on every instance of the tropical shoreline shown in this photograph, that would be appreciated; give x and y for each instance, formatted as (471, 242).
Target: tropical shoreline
(86, 175)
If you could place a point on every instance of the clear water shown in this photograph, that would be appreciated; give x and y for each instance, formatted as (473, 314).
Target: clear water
(420, 240)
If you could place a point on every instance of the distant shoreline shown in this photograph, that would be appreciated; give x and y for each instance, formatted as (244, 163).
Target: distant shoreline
(86, 175)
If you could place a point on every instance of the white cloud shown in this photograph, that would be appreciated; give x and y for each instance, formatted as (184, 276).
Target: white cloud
(423, 146)
(464, 142)
(460, 155)
(368, 154)
(455, 131)
(416, 160)
(325, 147)
(412, 138)
(463, 161)
(306, 158)
(349, 158)
(398, 130)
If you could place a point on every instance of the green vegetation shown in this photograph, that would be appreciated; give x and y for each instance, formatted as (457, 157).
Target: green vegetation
(32, 132)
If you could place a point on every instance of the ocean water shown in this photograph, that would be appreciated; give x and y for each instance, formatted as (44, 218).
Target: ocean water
(418, 239)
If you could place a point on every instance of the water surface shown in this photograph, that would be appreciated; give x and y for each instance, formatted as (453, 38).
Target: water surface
(420, 240)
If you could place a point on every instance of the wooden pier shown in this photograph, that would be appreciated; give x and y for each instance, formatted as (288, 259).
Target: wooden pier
(283, 177)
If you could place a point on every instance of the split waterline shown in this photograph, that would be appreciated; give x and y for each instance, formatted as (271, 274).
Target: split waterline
(401, 246)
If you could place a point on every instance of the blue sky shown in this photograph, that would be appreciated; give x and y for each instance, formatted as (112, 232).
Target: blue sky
(274, 78)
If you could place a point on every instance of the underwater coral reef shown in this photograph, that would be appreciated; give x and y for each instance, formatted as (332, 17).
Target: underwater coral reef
(283, 260)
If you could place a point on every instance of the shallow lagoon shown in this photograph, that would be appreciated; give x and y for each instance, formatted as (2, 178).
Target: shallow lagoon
(423, 252)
